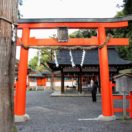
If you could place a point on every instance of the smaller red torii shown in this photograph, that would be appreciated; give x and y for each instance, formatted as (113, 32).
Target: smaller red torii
(77, 23)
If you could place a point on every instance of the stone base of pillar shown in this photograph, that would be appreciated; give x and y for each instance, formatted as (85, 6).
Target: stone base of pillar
(21, 118)
(106, 118)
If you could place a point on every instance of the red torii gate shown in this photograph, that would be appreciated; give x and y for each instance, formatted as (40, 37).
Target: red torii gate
(74, 23)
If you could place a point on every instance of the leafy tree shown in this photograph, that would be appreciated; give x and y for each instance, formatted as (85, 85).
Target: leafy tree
(33, 62)
(83, 33)
(76, 34)
(126, 51)
(46, 55)
(120, 14)
(127, 7)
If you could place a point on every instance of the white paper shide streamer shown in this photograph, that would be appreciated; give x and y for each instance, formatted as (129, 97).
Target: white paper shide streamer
(13, 33)
(55, 58)
(72, 62)
(39, 54)
(83, 57)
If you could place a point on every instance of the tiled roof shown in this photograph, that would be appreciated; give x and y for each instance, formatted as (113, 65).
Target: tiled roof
(91, 57)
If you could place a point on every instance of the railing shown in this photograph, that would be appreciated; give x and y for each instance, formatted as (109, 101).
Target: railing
(120, 97)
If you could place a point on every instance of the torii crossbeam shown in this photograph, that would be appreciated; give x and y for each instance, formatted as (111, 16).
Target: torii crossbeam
(101, 24)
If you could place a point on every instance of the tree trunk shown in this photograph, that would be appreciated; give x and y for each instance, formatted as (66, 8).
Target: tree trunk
(8, 10)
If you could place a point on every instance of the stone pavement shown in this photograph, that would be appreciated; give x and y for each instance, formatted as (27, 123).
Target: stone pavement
(62, 114)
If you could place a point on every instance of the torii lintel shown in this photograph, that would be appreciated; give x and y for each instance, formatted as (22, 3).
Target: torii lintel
(73, 23)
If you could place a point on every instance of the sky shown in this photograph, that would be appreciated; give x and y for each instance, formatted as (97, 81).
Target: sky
(66, 9)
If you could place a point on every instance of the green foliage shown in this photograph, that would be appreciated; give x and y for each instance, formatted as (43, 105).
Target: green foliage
(125, 51)
(45, 56)
(120, 14)
(40, 68)
(83, 33)
(33, 62)
(76, 34)
(127, 7)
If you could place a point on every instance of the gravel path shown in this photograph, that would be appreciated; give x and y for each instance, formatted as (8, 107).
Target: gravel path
(61, 114)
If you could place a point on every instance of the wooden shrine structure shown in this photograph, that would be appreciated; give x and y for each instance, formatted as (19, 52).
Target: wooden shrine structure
(101, 24)
(90, 68)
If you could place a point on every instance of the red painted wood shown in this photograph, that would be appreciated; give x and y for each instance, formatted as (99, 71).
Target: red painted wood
(73, 42)
(104, 74)
(22, 76)
(72, 25)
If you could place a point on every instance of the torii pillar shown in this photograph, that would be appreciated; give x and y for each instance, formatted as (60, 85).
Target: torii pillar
(107, 113)
(20, 106)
